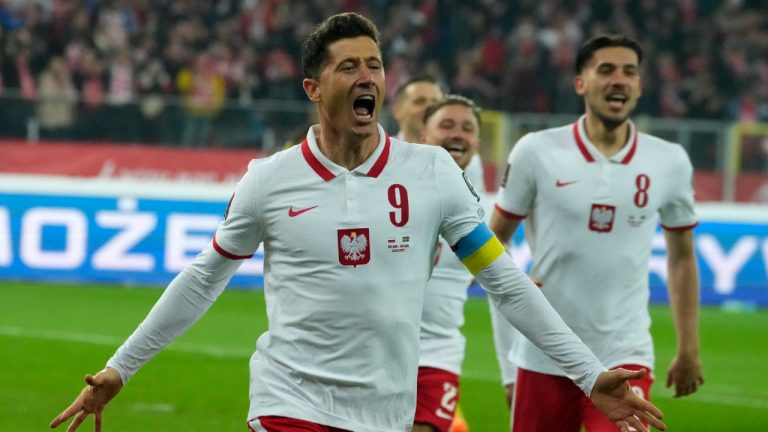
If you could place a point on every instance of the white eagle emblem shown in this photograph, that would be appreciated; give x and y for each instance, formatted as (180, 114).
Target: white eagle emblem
(602, 217)
(354, 247)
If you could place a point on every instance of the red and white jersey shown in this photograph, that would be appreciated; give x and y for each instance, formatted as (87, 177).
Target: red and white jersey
(442, 343)
(590, 221)
(332, 238)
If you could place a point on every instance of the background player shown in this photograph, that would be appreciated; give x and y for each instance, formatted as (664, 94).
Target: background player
(452, 123)
(344, 308)
(592, 193)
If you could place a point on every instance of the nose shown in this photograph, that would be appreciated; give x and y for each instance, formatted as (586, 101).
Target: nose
(366, 75)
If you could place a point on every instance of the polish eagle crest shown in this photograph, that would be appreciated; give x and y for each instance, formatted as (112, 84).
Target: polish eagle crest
(354, 246)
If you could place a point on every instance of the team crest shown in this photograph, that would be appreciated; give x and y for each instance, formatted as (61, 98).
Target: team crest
(354, 246)
(601, 218)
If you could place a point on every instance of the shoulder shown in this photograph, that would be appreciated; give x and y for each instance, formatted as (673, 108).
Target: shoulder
(547, 137)
(662, 150)
(416, 155)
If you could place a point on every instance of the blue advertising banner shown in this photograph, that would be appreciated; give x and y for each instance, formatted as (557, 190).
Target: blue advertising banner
(111, 240)
(149, 240)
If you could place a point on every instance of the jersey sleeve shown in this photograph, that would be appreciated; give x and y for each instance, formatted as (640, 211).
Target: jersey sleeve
(678, 212)
(460, 206)
(505, 338)
(242, 230)
(518, 188)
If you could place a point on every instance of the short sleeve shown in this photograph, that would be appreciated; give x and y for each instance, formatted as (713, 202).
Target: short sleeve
(460, 205)
(240, 233)
(678, 211)
(518, 188)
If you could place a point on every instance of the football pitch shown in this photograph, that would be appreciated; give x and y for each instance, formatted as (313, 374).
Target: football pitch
(51, 335)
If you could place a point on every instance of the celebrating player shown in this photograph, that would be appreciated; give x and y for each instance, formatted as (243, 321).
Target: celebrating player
(349, 220)
(591, 193)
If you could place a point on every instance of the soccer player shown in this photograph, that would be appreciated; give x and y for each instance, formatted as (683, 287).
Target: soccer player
(591, 193)
(411, 100)
(452, 123)
(344, 307)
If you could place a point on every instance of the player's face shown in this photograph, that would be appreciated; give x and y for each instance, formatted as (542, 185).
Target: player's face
(409, 111)
(610, 84)
(350, 92)
(454, 128)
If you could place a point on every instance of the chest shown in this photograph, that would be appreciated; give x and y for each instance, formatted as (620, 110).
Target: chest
(603, 192)
(353, 219)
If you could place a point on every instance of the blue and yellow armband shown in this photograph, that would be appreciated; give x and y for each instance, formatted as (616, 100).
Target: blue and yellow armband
(478, 249)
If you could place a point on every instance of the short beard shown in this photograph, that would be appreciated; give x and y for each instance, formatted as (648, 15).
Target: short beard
(611, 124)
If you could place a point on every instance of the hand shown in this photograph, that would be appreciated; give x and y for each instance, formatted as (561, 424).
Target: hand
(509, 394)
(614, 398)
(100, 389)
(685, 373)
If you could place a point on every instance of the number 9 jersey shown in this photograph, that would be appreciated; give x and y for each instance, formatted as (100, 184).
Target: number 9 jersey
(347, 256)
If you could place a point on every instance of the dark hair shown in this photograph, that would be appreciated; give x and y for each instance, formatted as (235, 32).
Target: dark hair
(606, 41)
(314, 51)
(427, 78)
(452, 99)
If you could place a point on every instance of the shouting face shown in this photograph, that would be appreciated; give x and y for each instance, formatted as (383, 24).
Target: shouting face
(610, 84)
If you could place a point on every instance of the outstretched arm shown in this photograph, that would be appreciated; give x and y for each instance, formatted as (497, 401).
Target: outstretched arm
(683, 286)
(519, 300)
(185, 300)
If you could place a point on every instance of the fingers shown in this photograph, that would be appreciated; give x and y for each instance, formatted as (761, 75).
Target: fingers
(90, 380)
(79, 418)
(651, 419)
(633, 423)
(97, 424)
(71, 410)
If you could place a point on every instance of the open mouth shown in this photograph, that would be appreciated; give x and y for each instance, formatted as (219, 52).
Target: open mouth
(456, 149)
(364, 106)
(617, 101)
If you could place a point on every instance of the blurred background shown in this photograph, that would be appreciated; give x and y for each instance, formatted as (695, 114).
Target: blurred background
(225, 74)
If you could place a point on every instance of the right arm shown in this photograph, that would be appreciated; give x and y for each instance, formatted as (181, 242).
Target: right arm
(185, 300)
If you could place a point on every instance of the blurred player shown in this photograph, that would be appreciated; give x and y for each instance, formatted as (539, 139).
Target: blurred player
(452, 123)
(592, 193)
(411, 100)
(344, 305)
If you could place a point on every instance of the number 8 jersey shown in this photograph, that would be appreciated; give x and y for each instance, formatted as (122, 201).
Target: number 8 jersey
(590, 222)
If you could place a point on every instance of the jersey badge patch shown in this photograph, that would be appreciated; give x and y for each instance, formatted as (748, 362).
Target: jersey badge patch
(354, 246)
(601, 218)
(399, 243)
(469, 185)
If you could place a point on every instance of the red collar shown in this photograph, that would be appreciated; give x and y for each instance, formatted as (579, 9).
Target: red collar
(327, 175)
(588, 156)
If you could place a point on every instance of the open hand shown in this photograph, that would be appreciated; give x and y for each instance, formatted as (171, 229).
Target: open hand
(613, 396)
(99, 390)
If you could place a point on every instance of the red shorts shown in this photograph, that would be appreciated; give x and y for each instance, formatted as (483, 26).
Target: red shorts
(550, 403)
(437, 394)
(286, 424)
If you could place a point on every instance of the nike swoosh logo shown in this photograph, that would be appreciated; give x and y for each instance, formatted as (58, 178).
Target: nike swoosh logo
(294, 213)
(566, 183)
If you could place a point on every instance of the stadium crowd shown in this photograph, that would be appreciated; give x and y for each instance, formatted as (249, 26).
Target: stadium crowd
(82, 58)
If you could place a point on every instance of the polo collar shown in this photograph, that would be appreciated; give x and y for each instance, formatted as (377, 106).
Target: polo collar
(327, 170)
(589, 151)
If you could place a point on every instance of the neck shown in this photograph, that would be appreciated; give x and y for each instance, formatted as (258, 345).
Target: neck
(608, 140)
(411, 136)
(348, 150)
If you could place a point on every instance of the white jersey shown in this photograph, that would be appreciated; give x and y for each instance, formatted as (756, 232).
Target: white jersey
(590, 221)
(442, 344)
(347, 255)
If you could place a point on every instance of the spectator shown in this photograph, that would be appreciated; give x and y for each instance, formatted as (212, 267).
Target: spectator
(57, 101)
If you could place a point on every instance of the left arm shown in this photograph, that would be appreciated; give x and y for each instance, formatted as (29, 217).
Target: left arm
(683, 286)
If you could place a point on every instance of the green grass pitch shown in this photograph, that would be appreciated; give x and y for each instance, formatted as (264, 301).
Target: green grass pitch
(51, 335)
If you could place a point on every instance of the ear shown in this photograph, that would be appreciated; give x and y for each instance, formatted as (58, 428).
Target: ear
(312, 89)
(578, 85)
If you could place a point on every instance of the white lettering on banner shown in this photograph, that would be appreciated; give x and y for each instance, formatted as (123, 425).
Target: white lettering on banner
(658, 262)
(726, 267)
(115, 254)
(6, 258)
(180, 242)
(765, 256)
(76, 226)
